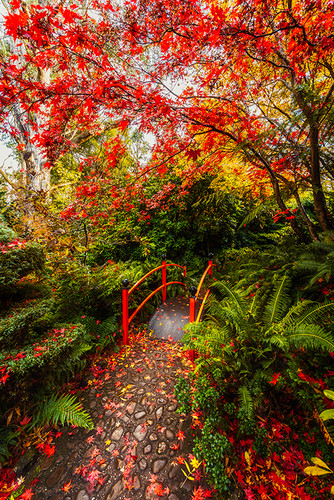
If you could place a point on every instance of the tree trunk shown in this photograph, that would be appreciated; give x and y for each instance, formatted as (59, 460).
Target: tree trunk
(318, 194)
(307, 220)
(293, 223)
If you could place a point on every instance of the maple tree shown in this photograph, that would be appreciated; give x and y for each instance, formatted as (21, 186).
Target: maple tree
(260, 86)
(40, 97)
(257, 84)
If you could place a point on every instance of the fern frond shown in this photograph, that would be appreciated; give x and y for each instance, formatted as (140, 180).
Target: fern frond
(316, 313)
(311, 336)
(216, 338)
(296, 312)
(207, 339)
(235, 295)
(325, 270)
(255, 212)
(279, 303)
(224, 316)
(246, 401)
(306, 267)
(279, 341)
(63, 409)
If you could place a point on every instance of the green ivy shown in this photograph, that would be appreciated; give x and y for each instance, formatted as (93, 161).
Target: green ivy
(212, 447)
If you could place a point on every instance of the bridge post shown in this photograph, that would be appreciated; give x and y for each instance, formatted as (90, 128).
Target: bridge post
(193, 291)
(210, 257)
(125, 310)
(184, 269)
(164, 278)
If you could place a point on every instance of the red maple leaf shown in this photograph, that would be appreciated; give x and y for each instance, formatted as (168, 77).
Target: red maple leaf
(159, 490)
(275, 379)
(26, 495)
(180, 435)
(4, 378)
(197, 475)
(193, 154)
(49, 450)
(67, 486)
(16, 21)
(15, 4)
(25, 420)
(200, 494)
(93, 476)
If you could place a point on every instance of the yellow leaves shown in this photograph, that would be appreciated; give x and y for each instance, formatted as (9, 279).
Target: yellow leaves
(11, 413)
(316, 471)
(191, 473)
(195, 463)
(108, 443)
(248, 458)
(319, 469)
(189, 470)
(124, 391)
(80, 248)
(126, 388)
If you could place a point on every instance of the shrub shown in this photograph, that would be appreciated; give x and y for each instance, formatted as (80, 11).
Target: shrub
(255, 352)
(40, 363)
(17, 328)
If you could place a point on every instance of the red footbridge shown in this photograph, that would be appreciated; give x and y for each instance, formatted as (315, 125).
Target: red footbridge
(184, 310)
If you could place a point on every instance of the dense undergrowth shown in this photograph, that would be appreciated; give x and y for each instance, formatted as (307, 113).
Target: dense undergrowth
(263, 357)
(54, 320)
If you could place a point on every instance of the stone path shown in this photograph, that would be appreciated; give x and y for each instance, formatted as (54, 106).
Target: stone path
(138, 446)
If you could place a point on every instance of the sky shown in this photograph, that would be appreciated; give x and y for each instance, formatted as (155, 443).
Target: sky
(4, 151)
(7, 160)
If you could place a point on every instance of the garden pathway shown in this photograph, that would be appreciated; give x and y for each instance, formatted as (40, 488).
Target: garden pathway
(139, 444)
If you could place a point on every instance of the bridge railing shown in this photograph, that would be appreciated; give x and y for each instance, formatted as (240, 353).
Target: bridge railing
(194, 292)
(126, 292)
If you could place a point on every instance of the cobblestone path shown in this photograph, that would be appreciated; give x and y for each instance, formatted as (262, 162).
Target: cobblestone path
(139, 443)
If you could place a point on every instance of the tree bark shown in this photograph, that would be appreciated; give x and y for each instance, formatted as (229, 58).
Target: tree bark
(320, 207)
(307, 220)
(293, 223)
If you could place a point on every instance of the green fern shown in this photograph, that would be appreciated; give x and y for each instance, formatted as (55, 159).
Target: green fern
(279, 303)
(318, 262)
(75, 362)
(99, 332)
(237, 296)
(316, 313)
(246, 401)
(312, 337)
(63, 409)
(255, 212)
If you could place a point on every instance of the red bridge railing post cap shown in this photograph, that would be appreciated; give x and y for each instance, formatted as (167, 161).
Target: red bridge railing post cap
(126, 283)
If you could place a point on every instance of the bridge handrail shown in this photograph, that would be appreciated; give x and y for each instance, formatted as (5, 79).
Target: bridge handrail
(207, 270)
(195, 292)
(193, 298)
(151, 295)
(151, 272)
(126, 292)
(144, 278)
(202, 306)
